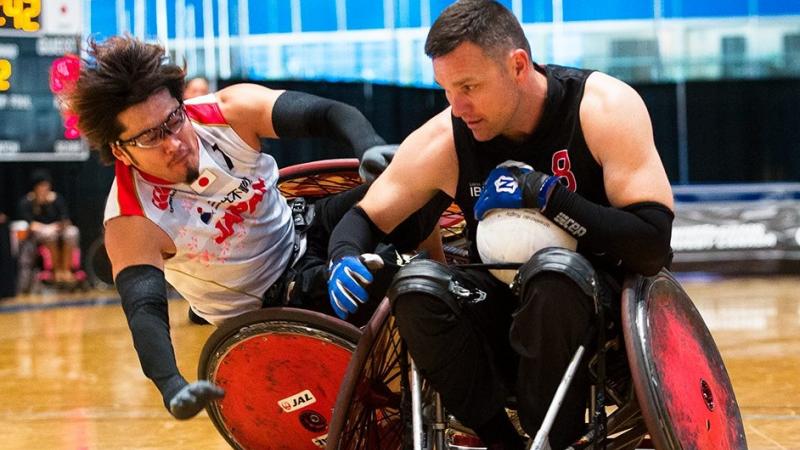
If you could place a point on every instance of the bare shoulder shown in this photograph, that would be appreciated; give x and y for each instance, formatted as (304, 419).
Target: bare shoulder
(611, 112)
(245, 96)
(604, 95)
(247, 108)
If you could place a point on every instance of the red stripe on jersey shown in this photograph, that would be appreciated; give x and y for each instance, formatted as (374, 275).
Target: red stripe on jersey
(126, 191)
(205, 113)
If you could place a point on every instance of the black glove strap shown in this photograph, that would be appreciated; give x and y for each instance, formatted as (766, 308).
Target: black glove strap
(143, 290)
(536, 187)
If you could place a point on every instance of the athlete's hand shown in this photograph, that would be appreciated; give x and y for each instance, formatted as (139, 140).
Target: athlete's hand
(375, 160)
(348, 281)
(513, 185)
(194, 397)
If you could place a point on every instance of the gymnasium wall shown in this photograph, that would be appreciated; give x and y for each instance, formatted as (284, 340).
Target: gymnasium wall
(739, 131)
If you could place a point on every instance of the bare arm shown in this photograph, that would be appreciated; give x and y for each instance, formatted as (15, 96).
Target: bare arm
(424, 164)
(135, 240)
(248, 109)
(619, 133)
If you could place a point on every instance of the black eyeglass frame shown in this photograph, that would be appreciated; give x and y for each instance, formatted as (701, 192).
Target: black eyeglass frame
(162, 128)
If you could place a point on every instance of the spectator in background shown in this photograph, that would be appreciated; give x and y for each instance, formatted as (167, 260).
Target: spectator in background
(195, 87)
(49, 224)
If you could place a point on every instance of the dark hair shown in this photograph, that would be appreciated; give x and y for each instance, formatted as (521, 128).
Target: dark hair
(485, 23)
(40, 176)
(119, 73)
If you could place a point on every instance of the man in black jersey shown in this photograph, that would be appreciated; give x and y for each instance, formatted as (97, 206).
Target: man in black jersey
(596, 174)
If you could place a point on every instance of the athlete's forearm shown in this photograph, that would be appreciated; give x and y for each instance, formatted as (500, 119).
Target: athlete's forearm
(143, 292)
(297, 114)
(637, 235)
(354, 235)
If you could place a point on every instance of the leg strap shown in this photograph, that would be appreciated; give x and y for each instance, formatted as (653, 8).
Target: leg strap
(424, 276)
(561, 260)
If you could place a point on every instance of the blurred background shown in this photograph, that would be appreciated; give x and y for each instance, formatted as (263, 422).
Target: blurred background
(721, 79)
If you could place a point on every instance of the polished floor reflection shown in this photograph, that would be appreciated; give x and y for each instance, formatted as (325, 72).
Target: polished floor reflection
(70, 379)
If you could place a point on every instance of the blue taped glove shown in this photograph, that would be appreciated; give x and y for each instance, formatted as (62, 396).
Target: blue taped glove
(501, 188)
(348, 281)
(194, 397)
(513, 184)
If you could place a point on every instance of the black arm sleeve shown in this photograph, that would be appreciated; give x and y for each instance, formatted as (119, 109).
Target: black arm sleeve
(354, 234)
(143, 290)
(637, 235)
(297, 114)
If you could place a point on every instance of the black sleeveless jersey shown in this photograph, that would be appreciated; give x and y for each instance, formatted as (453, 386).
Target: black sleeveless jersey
(556, 147)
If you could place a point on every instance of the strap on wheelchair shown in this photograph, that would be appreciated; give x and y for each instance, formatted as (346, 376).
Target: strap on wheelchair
(302, 215)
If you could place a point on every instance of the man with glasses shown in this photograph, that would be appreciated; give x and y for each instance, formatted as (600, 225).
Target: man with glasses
(194, 202)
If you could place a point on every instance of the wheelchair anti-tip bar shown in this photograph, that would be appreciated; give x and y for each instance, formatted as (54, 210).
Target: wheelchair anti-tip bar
(540, 442)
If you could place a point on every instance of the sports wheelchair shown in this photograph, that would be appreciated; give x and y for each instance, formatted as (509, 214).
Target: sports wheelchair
(303, 380)
(35, 264)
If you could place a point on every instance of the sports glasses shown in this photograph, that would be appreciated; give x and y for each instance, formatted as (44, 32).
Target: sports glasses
(153, 137)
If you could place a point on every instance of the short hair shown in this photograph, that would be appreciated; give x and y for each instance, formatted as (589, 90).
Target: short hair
(485, 23)
(119, 73)
(40, 176)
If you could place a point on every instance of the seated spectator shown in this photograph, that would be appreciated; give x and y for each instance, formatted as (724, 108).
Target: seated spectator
(49, 225)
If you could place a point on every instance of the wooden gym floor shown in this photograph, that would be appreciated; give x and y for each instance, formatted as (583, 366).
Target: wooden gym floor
(70, 379)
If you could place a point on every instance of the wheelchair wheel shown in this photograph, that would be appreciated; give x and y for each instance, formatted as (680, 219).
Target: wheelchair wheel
(371, 411)
(318, 179)
(281, 369)
(679, 377)
(98, 266)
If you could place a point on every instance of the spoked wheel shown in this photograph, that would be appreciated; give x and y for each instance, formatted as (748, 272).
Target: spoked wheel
(678, 374)
(281, 369)
(318, 179)
(453, 228)
(371, 410)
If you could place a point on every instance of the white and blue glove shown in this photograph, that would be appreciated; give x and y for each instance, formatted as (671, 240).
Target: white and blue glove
(194, 397)
(514, 185)
(348, 281)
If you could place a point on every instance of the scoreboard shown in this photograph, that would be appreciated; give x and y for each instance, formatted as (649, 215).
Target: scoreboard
(33, 34)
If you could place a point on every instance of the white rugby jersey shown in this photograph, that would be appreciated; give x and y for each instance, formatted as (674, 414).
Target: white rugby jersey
(232, 229)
